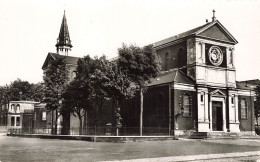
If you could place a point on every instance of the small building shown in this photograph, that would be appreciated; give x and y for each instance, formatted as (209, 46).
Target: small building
(42, 119)
(20, 116)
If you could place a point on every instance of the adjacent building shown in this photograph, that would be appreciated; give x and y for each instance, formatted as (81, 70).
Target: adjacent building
(20, 116)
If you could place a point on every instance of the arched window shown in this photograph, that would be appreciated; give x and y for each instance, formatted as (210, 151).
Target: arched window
(18, 108)
(187, 105)
(12, 107)
(244, 108)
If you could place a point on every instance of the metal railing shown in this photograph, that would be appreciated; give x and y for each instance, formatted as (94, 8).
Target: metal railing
(97, 131)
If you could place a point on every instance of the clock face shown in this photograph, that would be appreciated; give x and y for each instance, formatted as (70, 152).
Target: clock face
(215, 55)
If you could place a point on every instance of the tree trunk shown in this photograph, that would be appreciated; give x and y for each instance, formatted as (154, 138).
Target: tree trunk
(66, 123)
(100, 113)
(80, 125)
(52, 120)
(141, 112)
(117, 131)
(56, 124)
(97, 115)
(85, 122)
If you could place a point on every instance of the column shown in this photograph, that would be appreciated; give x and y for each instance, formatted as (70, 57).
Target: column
(202, 99)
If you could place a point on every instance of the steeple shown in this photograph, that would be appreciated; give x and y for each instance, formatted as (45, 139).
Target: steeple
(63, 42)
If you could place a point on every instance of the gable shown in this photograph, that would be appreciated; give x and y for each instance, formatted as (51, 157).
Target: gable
(46, 62)
(68, 59)
(217, 93)
(216, 32)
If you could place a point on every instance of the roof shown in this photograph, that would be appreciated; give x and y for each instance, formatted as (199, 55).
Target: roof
(194, 32)
(114, 59)
(68, 59)
(64, 36)
(248, 84)
(40, 105)
(26, 102)
(169, 77)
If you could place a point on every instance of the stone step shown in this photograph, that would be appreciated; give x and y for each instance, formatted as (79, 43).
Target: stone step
(220, 135)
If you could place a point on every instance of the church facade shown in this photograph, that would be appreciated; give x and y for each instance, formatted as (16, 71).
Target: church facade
(200, 75)
(196, 91)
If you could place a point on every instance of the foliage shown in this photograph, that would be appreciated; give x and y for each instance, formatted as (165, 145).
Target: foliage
(55, 80)
(141, 64)
(97, 80)
(29, 91)
(257, 102)
(77, 95)
(118, 87)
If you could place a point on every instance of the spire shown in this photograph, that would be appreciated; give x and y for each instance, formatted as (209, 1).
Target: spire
(214, 18)
(63, 42)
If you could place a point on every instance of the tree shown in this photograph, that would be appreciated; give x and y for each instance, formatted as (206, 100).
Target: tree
(37, 92)
(77, 96)
(98, 84)
(76, 100)
(55, 81)
(141, 64)
(22, 90)
(257, 103)
(118, 87)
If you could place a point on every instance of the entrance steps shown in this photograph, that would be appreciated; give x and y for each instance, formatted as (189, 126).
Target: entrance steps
(222, 135)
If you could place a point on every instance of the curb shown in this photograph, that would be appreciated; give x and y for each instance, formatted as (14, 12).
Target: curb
(194, 157)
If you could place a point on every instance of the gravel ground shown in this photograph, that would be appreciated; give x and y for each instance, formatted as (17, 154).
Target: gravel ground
(35, 149)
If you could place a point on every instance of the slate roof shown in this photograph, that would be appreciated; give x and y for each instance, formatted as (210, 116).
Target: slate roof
(192, 32)
(170, 77)
(179, 36)
(64, 36)
(68, 59)
(40, 105)
(248, 84)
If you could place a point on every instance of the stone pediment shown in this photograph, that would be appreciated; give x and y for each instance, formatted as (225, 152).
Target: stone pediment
(217, 92)
(218, 32)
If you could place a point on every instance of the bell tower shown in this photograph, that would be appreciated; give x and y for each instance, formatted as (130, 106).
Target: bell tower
(63, 45)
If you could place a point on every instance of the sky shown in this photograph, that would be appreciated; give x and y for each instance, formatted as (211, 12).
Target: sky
(29, 29)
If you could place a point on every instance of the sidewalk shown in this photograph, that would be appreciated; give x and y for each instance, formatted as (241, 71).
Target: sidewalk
(93, 138)
(194, 157)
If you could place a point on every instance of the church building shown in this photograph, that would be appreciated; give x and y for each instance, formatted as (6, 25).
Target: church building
(196, 90)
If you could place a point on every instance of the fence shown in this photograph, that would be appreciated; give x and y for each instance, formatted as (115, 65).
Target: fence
(99, 131)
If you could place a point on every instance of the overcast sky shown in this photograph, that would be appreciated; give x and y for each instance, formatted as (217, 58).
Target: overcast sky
(29, 29)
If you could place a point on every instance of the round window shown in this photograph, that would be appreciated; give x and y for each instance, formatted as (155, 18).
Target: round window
(215, 55)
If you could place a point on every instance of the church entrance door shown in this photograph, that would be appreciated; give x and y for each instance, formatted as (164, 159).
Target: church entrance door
(217, 116)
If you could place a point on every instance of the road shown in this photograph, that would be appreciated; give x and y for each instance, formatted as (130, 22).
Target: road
(35, 149)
